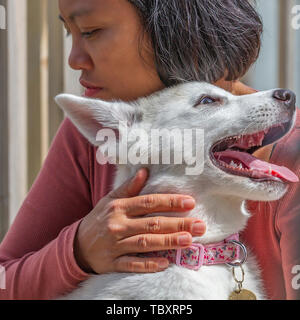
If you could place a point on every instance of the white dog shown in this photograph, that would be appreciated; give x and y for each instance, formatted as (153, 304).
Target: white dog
(232, 128)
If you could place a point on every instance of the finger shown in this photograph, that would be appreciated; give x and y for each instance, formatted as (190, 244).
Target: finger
(140, 265)
(164, 225)
(151, 203)
(132, 186)
(154, 242)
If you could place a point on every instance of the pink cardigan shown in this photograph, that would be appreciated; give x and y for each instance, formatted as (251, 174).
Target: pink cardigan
(37, 251)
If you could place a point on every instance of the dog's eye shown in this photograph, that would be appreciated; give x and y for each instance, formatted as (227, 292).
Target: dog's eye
(206, 100)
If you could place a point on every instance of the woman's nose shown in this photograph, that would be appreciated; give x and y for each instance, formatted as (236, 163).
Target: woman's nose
(79, 59)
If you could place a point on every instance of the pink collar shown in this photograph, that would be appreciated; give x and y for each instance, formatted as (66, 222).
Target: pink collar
(197, 254)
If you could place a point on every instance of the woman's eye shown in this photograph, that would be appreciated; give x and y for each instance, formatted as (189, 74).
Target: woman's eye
(207, 100)
(83, 34)
(89, 34)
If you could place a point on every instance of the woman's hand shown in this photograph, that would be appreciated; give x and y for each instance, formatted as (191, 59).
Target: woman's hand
(114, 229)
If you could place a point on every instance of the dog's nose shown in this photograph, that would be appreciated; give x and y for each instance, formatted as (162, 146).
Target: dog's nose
(286, 96)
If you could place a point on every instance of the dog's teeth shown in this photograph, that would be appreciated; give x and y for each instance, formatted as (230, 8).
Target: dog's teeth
(233, 164)
(240, 166)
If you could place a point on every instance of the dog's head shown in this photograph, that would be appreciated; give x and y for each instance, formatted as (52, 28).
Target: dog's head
(201, 123)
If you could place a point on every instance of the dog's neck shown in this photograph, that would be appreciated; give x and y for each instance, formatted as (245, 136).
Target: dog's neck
(224, 215)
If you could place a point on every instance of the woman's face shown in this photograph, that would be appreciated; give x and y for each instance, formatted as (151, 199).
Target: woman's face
(105, 37)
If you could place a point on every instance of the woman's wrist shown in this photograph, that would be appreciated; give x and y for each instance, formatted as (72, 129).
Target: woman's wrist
(79, 258)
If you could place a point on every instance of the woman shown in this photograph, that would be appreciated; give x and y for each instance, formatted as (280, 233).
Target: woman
(72, 223)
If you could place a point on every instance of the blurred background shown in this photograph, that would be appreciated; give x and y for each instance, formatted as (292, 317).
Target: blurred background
(33, 69)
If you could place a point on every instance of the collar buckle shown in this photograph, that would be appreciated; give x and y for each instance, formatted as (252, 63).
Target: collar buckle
(245, 254)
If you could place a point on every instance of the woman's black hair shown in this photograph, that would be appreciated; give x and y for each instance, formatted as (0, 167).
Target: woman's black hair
(201, 40)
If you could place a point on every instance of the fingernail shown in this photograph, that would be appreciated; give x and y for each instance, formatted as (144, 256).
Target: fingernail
(198, 227)
(163, 264)
(138, 174)
(188, 203)
(135, 178)
(184, 240)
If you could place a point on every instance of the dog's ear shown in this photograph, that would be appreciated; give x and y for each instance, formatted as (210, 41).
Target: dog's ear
(91, 115)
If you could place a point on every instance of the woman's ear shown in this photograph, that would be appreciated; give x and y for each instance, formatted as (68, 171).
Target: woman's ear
(91, 115)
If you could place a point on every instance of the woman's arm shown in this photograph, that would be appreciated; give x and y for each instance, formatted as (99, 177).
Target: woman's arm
(287, 217)
(37, 252)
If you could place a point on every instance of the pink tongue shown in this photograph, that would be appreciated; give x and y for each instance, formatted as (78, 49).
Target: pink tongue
(255, 164)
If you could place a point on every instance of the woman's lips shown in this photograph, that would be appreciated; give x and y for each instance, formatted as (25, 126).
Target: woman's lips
(90, 92)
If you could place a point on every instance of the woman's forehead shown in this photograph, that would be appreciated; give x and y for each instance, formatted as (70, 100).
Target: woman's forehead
(72, 9)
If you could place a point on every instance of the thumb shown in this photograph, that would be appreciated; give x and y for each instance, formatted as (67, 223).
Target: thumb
(131, 187)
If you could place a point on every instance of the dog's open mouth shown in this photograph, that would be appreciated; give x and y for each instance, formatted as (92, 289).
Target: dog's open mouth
(234, 155)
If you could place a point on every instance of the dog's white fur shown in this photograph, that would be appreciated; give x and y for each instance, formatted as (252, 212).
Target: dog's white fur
(219, 196)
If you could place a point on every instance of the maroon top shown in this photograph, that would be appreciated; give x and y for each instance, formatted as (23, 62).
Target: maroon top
(37, 251)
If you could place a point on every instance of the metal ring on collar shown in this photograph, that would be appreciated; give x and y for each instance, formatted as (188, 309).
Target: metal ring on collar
(238, 263)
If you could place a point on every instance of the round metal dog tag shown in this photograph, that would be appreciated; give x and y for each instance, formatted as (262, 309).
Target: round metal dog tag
(242, 295)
